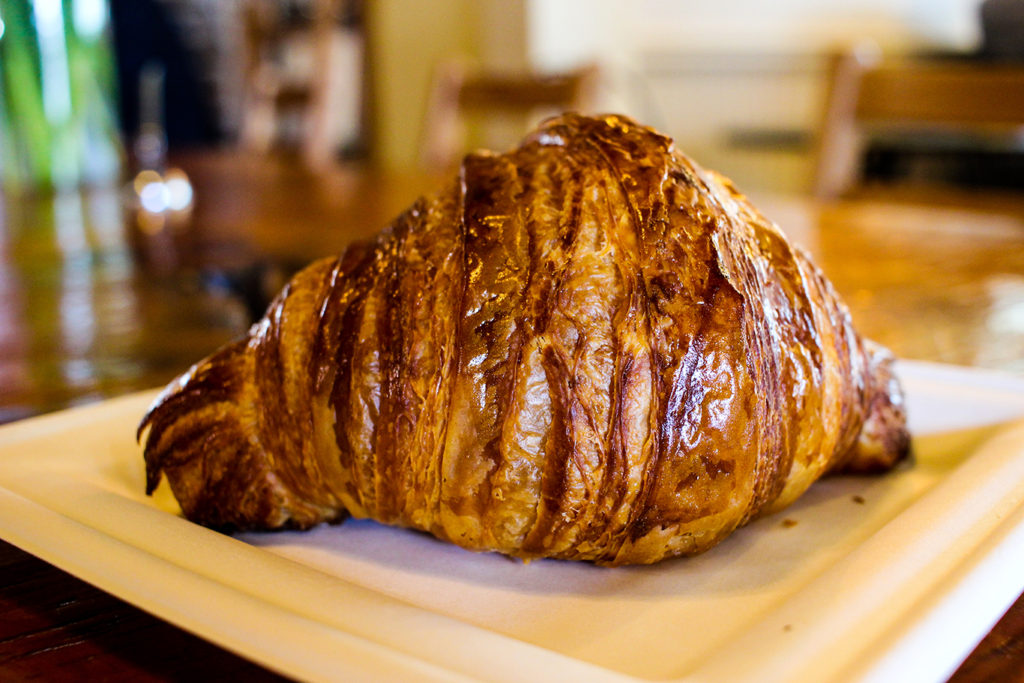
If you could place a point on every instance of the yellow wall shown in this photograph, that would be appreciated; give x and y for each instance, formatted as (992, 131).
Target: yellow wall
(407, 38)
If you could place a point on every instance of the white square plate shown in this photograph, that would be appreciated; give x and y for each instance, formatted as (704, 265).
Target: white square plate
(894, 577)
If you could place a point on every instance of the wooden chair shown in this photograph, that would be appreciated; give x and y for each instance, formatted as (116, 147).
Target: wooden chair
(457, 95)
(868, 94)
(270, 95)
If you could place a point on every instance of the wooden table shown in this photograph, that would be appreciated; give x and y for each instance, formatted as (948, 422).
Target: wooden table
(95, 302)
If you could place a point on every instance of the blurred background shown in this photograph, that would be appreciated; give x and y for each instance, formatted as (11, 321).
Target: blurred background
(168, 164)
(741, 86)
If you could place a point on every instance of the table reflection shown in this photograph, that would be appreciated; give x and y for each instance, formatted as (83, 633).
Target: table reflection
(934, 284)
(91, 307)
(110, 290)
(99, 296)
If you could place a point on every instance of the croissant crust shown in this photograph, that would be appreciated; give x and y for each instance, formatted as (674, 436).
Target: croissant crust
(587, 348)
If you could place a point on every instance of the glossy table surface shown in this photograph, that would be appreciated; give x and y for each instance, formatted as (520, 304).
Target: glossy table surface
(98, 299)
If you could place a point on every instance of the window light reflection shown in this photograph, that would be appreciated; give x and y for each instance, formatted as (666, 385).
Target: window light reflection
(154, 197)
(160, 197)
(179, 190)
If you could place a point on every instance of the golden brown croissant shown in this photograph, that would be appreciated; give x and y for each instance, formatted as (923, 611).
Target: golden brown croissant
(588, 348)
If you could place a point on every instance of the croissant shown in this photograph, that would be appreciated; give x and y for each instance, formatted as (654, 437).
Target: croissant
(587, 348)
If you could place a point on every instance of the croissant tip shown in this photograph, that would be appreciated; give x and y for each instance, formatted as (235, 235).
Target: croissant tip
(143, 424)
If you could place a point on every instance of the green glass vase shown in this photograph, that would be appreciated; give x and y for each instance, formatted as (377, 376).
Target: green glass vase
(58, 120)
